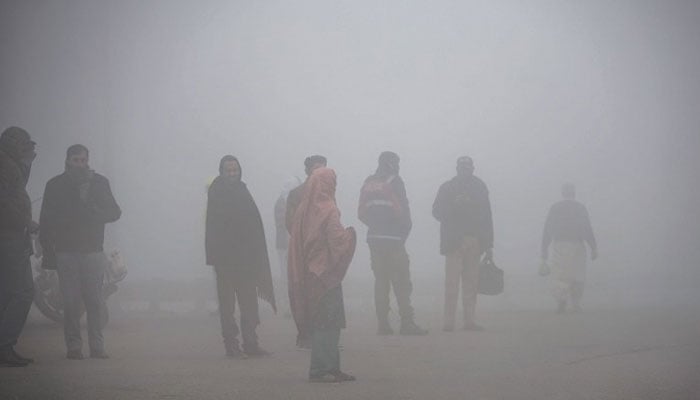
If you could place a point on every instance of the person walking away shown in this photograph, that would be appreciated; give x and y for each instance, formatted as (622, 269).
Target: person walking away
(566, 232)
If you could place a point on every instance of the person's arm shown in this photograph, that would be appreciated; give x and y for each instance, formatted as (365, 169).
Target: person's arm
(47, 227)
(589, 237)
(406, 221)
(103, 208)
(209, 228)
(488, 220)
(341, 243)
(546, 235)
(440, 205)
(14, 208)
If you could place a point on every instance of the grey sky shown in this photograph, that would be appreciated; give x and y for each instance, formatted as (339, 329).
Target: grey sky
(604, 94)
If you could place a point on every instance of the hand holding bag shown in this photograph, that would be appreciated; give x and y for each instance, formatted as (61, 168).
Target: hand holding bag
(490, 278)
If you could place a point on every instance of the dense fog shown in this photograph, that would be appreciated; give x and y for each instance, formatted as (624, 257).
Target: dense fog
(605, 95)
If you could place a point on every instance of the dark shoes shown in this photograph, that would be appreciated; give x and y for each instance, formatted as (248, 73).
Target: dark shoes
(9, 358)
(235, 353)
(74, 355)
(411, 329)
(336, 377)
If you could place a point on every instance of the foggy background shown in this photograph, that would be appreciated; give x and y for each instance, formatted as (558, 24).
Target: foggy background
(602, 94)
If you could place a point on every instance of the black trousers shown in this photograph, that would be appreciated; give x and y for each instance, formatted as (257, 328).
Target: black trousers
(16, 290)
(234, 285)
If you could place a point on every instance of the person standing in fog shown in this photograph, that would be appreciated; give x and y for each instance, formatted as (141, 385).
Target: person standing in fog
(294, 198)
(77, 204)
(17, 152)
(320, 252)
(384, 209)
(236, 248)
(282, 236)
(311, 163)
(463, 208)
(566, 231)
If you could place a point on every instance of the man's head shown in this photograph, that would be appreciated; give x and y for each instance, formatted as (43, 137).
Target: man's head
(313, 162)
(229, 167)
(388, 163)
(77, 157)
(465, 166)
(568, 191)
(17, 142)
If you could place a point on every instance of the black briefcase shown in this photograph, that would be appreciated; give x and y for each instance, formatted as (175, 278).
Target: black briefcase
(490, 278)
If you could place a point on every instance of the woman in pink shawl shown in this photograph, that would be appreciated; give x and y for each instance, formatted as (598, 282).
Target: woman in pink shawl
(320, 251)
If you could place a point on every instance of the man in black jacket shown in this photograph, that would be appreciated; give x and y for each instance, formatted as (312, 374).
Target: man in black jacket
(466, 233)
(236, 248)
(16, 284)
(77, 205)
(384, 209)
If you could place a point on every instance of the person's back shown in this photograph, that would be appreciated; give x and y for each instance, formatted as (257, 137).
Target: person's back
(568, 221)
(388, 217)
(565, 233)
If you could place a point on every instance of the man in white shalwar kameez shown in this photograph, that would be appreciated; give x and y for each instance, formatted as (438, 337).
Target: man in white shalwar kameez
(566, 232)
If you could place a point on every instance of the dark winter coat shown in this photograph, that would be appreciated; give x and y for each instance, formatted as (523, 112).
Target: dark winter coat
(463, 208)
(74, 223)
(15, 206)
(567, 221)
(234, 236)
(383, 222)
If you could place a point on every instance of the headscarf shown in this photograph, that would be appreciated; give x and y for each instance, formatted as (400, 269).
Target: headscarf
(320, 248)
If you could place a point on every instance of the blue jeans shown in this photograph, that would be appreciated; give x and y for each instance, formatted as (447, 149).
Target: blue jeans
(80, 277)
(16, 290)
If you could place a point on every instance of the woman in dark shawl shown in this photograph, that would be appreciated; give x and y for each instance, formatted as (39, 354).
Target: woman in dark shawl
(235, 246)
(320, 251)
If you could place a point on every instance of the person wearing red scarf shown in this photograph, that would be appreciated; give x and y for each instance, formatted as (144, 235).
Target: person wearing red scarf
(320, 252)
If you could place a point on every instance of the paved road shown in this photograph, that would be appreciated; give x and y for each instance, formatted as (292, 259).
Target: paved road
(600, 354)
